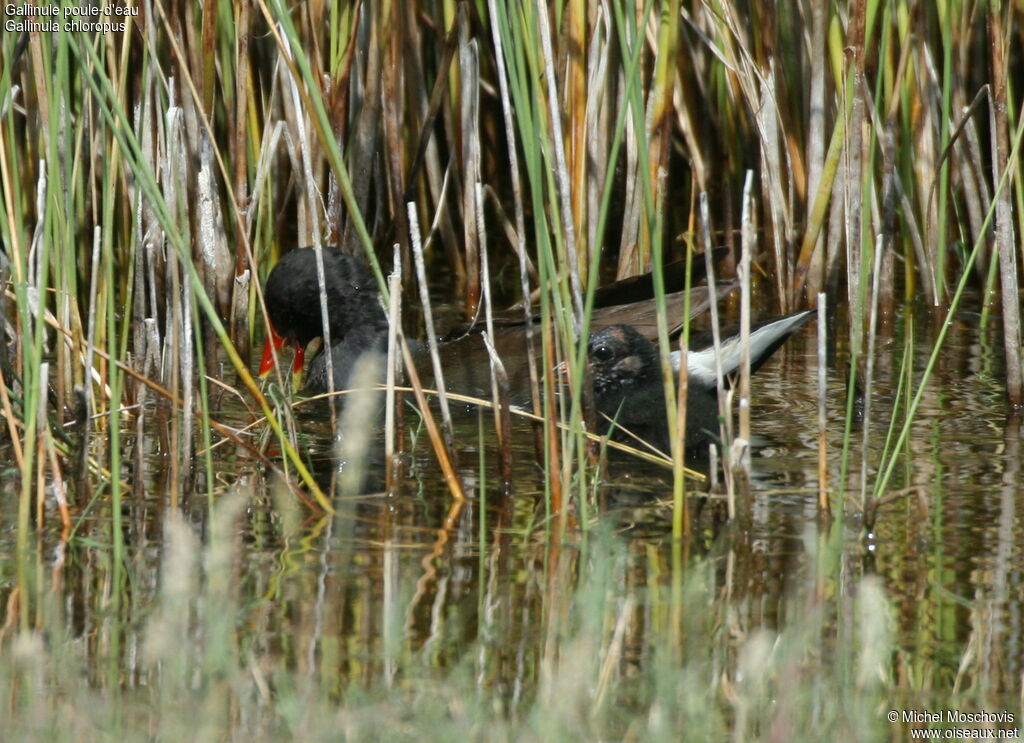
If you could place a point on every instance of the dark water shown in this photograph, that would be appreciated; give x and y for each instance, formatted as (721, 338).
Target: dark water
(347, 598)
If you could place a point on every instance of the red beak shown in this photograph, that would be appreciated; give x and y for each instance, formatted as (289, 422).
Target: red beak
(267, 363)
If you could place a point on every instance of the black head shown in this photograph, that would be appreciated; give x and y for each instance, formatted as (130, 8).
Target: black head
(292, 295)
(621, 360)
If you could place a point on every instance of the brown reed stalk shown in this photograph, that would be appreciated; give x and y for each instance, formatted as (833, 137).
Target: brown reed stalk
(747, 244)
(469, 128)
(391, 463)
(866, 499)
(823, 309)
(440, 446)
(815, 146)
(574, 99)
(851, 179)
(1000, 133)
(238, 147)
(432, 345)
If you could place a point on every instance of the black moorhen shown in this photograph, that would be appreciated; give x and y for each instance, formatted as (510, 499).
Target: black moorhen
(357, 321)
(628, 388)
(358, 325)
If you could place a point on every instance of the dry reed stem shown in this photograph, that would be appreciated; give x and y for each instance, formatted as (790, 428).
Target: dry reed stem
(821, 203)
(237, 147)
(852, 176)
(823, 504)
(574, 100)
(394, 113)
(469, 126)
(999, 128)
(428, 321)
(394, 318)
(869, 372)
(589, 148)
(749, 232)
(815, 146)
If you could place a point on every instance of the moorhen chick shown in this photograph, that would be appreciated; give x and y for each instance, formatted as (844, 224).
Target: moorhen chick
(358, 324)
(626, 374)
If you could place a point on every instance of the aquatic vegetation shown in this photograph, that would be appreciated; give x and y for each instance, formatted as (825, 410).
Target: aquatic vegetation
(190, 552)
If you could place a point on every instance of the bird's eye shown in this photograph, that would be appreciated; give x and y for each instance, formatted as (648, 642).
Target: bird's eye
(602, 353)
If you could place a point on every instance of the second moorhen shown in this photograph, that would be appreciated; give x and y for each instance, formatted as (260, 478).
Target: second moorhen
(628, 387)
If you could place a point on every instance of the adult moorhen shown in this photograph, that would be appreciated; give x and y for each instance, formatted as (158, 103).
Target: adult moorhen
(357, 321)
(628, 386)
